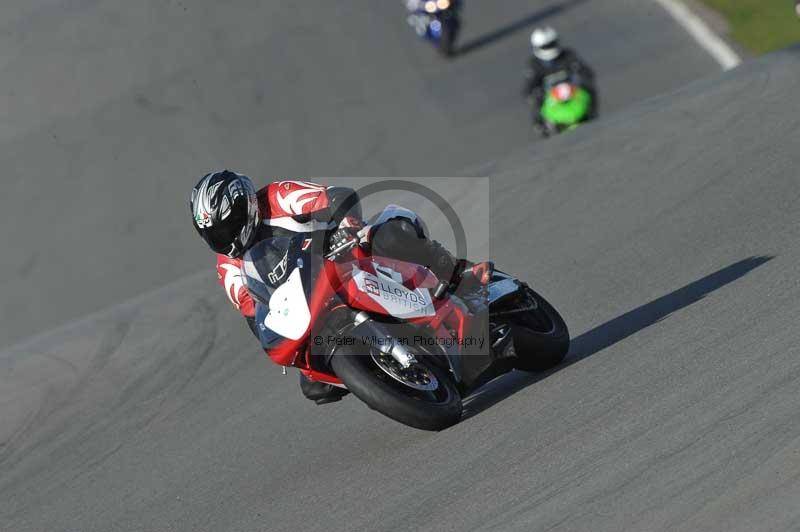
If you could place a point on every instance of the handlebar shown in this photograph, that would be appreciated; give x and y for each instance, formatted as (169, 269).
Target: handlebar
(346, 246)
(350, 244)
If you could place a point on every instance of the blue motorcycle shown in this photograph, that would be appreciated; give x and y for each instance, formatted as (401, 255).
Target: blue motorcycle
(436, 20)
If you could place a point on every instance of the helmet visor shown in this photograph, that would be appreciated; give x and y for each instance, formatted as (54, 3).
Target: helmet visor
(224, 237)
(552, 45)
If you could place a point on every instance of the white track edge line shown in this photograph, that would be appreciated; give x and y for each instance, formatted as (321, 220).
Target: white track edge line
(710, 41)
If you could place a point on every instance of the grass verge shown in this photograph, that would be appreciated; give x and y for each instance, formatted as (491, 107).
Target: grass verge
(760, 25)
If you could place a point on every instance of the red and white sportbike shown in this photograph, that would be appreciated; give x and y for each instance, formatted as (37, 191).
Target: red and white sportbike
(389, 332)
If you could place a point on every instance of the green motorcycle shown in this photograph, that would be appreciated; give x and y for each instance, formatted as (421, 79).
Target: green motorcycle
(565, 106)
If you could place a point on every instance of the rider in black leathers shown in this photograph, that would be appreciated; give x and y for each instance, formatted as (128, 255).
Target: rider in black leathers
(548, 59)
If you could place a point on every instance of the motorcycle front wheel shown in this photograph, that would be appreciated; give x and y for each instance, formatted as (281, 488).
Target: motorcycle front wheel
(546, 129)
(422, 396)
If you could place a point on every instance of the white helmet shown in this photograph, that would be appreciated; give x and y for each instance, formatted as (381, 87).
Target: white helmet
(545, 43)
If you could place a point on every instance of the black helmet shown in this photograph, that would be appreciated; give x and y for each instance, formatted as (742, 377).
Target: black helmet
(225, 212)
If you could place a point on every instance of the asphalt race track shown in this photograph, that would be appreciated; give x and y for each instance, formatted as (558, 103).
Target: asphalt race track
(666, 234)
(112, 110)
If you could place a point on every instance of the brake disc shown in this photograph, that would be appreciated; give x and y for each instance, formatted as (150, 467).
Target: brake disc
(415, 376)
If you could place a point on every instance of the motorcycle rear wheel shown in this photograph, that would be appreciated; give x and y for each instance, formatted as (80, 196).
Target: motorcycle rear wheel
(426, 410)
(541, 337)
(447, 41)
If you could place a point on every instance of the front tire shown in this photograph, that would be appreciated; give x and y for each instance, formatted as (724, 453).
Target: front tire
(548, 129)
(434, 410)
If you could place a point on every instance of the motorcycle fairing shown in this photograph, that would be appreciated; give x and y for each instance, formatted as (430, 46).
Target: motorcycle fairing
(387, 287)
(569, 112)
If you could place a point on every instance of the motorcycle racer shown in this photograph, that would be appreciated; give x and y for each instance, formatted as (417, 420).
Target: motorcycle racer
(548, 58)
(231, 216)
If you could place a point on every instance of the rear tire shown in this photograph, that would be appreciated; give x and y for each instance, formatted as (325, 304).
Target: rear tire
(391, 398)
(447, 40)
(541, 338)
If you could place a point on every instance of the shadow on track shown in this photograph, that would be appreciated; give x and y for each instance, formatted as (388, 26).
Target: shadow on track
(519, 25)
(613, 331)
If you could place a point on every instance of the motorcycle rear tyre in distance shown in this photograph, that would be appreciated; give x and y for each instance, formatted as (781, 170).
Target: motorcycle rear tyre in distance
(447, 40)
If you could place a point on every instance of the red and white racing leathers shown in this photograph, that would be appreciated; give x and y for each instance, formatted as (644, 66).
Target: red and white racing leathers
(296, 206)
(303, 207)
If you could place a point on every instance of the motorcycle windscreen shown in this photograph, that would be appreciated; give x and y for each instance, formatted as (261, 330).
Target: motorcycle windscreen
(378, 286)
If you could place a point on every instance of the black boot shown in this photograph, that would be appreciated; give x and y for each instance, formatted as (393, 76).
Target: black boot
(442, 263)
(319, 392)
(399, 238)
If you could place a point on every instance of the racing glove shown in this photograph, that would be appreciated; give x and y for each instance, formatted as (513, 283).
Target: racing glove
(346, 232)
